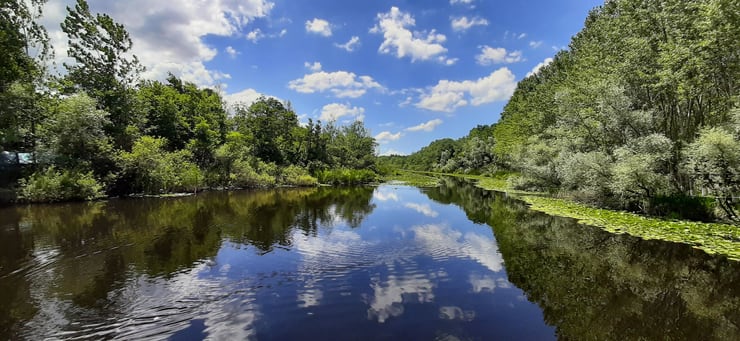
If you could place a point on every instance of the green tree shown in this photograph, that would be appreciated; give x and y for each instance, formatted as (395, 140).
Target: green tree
(271, 125)
(25, 46)
(714, 161)
(151, 169)
(74, 136)
(103, 69)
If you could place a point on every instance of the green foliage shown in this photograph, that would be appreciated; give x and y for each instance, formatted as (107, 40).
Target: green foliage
(53, 185)
(152, 170)
(297, 176)
(412, 178)
(271, 126)
(245, 175)
(19, 33)
(712, 238)
(714, 161)
(150, 137)
(103, 67)
(346, 176)
(74, 135)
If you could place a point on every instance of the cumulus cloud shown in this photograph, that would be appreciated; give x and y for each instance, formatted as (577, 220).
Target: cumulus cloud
(232, 52)
(497, 55)
(319, 26)
(387, 136)
(351, 45)
(315, 67)
(539, 66)
(168, 36)
(341, 84)
(464, 23)
(246, 96)
(402, 42)
(335, 111)
(448, 95)
(535, 44)
(427, 126)
(255, 35)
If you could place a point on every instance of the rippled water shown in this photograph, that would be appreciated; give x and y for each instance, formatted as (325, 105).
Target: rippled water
(390, 262)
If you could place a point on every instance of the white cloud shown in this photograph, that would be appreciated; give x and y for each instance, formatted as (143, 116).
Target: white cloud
(315, 67)
(463, 23)
(424, 209)
(402, 42)
(462, 2)
(335, 111)
(319, 26)
(539, 66)
(428, 126)
(341, 84)
(351, 45)
(255, 35)
(535, 44)
(448, 95)
(521, 36)
(387, 136)
(168, 36)
(246, 96)
(497, 55)
(392, 152)
(232, 52)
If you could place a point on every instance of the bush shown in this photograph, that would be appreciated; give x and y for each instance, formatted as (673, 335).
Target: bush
(297, 176)
(245, 176)
(346, 176)
(52, 185)
(683, 207)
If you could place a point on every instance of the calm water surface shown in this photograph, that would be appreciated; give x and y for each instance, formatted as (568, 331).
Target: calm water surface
(387, 262)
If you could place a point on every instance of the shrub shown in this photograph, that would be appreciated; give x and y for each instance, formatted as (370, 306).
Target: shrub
(683, 207)
(244, 175)
(297, 176)
(52, 185)
(346, 176)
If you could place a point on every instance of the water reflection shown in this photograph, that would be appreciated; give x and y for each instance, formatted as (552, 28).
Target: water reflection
(352, 263)
(595, 285)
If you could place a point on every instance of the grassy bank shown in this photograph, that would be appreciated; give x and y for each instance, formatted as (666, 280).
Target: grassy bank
(713, 238)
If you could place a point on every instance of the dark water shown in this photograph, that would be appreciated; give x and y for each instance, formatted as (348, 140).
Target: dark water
(392, 262)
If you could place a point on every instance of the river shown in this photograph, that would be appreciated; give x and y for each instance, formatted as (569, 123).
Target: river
(365, 263)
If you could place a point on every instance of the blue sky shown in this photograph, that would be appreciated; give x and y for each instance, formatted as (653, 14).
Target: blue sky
(413, 71)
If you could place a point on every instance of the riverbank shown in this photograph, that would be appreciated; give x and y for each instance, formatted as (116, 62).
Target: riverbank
(713, 238)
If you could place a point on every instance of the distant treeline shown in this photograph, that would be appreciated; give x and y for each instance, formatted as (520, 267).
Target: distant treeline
(101, 130)
(640, 113)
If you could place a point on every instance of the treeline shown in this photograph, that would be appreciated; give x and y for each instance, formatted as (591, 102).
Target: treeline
(471, 154)
(101, 130)
(640, 113)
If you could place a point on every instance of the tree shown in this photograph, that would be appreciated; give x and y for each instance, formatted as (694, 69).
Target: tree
(270, 124)
(20, 103)
(19, 34)
(100, 46)
(151, 169)
(714, 161)
(75, 137)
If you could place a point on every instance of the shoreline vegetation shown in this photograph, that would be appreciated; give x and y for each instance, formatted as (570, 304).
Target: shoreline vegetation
(101, 130)
(712, 238)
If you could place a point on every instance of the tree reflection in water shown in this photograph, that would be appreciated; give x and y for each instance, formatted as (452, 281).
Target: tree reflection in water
(596, 285)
